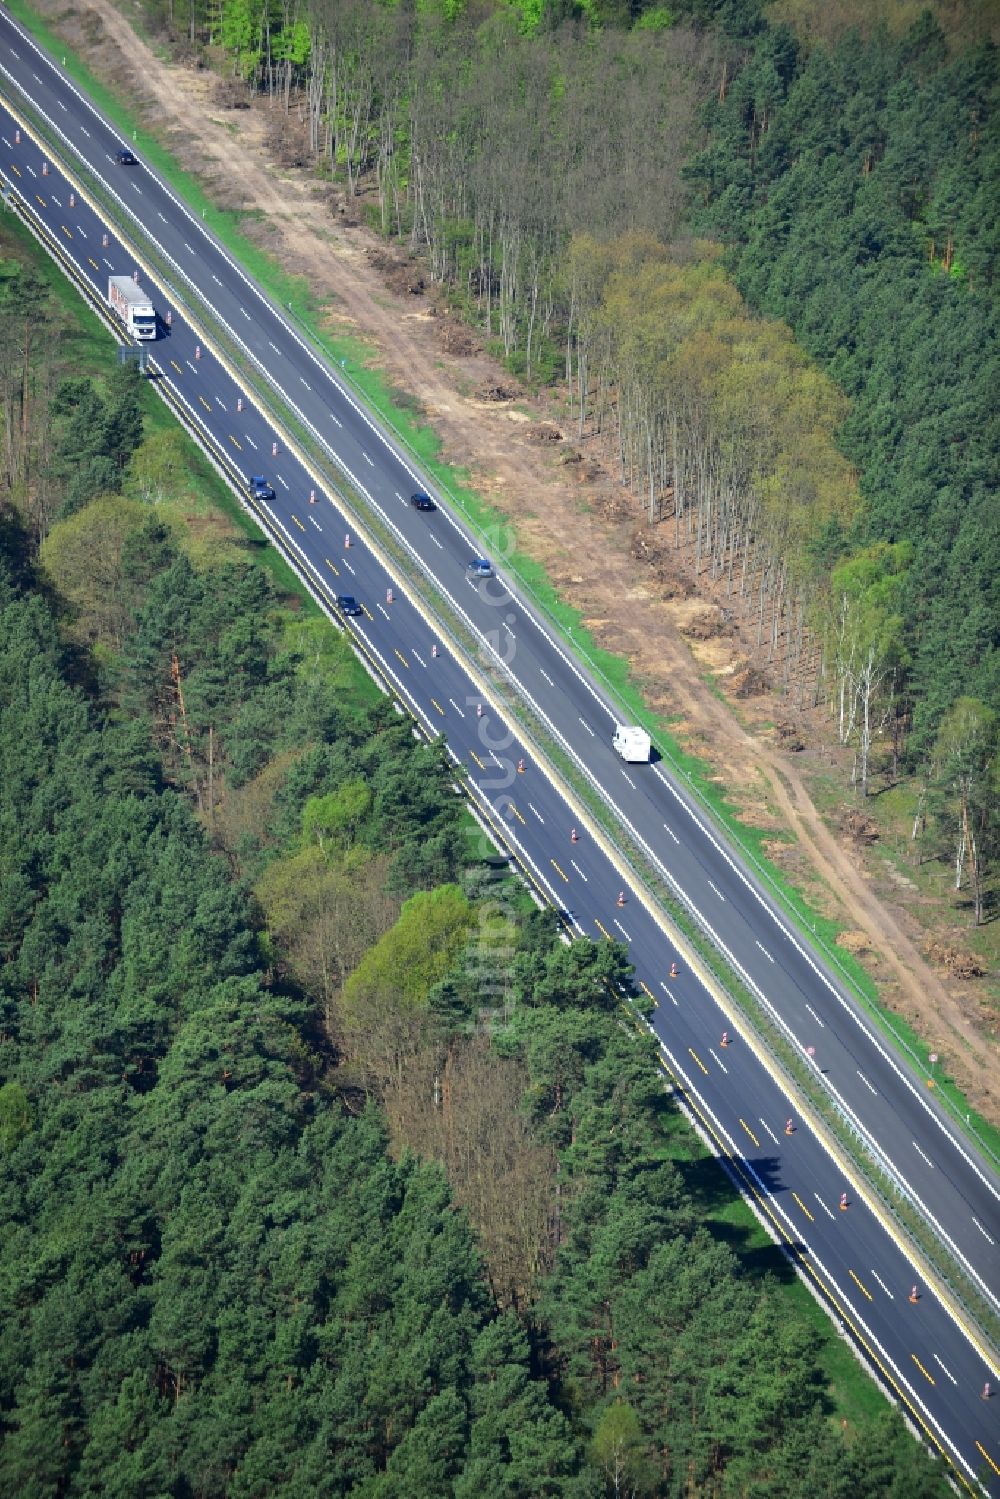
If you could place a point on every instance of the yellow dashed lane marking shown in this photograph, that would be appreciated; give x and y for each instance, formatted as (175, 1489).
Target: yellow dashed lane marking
(176, 366)
(207, 404)
(402, 658)
(658, 917)
(987, 1457)
(93, 262)
(235, 442)
(334, 567)
(802, 1205)
(922, 1369)
(365, 607)
(863, 1289)
(750, 1133)
(557, 868)
(15, 169)
(41, 200)
(602, 928)
(68, 232)
(697, 1058)
(438, 706)
(298, 522)
(476, 758)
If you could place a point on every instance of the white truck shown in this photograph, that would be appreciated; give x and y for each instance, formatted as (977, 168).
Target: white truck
(632, 743)
(133, 306)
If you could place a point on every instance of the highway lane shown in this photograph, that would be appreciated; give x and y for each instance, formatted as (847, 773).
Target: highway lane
(942, 1175)
(727, 1087)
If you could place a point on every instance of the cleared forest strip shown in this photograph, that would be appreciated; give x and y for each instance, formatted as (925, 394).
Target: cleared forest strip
(799, 1079)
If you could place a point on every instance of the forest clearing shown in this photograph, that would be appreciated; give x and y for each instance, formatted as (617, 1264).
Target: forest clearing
(693, 646)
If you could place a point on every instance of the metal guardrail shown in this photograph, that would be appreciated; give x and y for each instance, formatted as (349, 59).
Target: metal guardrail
(784, 1060)
(625, 712)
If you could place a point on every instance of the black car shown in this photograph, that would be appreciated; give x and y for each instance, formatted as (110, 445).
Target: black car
(348, 604)
(126, 158)
(421, 501)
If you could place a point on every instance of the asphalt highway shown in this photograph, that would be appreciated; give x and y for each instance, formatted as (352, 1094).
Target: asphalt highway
(930, 1363)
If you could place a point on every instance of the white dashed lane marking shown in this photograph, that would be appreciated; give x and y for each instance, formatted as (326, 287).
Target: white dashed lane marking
(983, 1231)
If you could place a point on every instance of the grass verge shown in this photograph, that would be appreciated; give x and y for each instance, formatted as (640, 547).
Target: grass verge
(354, 360)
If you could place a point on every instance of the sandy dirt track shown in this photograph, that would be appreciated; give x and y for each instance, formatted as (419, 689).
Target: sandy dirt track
(570, 515)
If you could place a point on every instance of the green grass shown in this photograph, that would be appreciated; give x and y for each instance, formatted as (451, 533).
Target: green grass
(853, 1395)
(355, 359)
(85, 347)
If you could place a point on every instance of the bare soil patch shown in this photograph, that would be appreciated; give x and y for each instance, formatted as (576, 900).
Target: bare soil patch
(635, 591)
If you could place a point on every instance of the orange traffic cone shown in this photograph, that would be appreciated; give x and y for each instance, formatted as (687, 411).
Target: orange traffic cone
(725, 1039)
(574, 836)
(843, 1202)
(673, 971)
(789, 1128)
(520, 767)
(987, 1392)
(914, 1296)
(621, 897)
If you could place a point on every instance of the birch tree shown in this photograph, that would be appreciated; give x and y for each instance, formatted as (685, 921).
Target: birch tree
(867, 595)
(966, 779)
